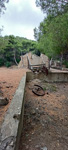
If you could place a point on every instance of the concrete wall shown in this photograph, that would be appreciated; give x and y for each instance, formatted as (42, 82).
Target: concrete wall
(52, 76)
(13, 121)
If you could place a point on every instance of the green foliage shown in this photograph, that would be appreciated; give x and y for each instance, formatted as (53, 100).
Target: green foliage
(53, 35)
(8, 64)
(1, 62)
(65, 63)
(2, 5)
(59, 30)
(11, 48)
(53, 7)
(44, 88)
(37, 52)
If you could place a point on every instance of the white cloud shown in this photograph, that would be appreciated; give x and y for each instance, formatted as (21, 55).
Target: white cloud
(20, 18)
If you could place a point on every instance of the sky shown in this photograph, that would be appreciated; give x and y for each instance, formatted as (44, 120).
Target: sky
(20, 18)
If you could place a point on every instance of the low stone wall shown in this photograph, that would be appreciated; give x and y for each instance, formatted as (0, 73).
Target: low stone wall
(13, 121)
(51, 77)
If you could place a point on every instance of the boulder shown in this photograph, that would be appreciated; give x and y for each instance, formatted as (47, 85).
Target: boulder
(3, 101)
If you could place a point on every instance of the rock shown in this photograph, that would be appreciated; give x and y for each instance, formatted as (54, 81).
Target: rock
(33, 124)
(9, 86)
(29, 120)
(16, 116)
(47, 93)
(33, 112)
(57, 95)
(36, 119)
(30, 87)
(32, 133)
(37, 108)
(3, 101)
(9, 148)
(27, 146)
(37, 146)
(44, 148)
(4, 82)
(8, 143)
(27, 105)
(30, 140)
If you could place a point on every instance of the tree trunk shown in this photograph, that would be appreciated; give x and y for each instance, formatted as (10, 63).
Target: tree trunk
(15, 59)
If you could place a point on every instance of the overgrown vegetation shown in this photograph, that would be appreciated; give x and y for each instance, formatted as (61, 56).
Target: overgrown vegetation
(52, 33)
(11, 48)
(65, 63)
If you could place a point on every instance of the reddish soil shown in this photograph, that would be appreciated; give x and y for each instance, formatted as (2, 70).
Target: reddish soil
(45, 118)
(9, 81)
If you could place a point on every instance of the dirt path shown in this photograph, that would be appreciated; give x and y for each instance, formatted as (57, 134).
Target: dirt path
(9, 81)
(45, 118)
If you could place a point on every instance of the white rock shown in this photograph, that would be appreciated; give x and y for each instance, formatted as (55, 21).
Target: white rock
(44, 148)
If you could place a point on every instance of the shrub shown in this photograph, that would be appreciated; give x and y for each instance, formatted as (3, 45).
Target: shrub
(8, 64)
(1, 62)
(65, 63)
(37, 52)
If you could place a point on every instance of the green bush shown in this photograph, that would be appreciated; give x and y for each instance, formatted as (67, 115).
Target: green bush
(65, 63)
(1, 62)
(18, 60)
(8, 64)
(37, 52)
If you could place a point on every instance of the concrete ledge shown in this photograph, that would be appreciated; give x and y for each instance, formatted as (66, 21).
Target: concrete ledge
(13, 121)
(52, 76)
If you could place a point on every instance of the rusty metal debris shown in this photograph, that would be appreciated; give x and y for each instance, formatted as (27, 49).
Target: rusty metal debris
(44, 70)
(38, 90)
(40, 68)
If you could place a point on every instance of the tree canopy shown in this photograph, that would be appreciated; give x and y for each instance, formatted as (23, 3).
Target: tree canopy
(2, 5)
(11, 48)
(52, 33)
(2, 9)
(53, 7)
